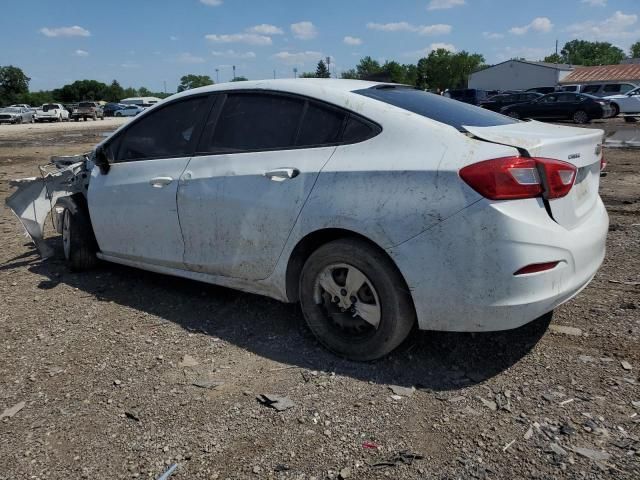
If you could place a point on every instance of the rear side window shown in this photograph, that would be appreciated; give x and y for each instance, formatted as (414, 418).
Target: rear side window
(591, 89)
(320, 126)
(168, 132)
(357, 130)
(252, 121)
(436, 107)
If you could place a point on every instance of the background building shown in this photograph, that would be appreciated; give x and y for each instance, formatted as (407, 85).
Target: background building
(603, 74)
(519, 75)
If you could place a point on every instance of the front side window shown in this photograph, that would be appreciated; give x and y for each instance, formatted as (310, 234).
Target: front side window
(613, 88)
(168, 132)
(627, 87)
(567, 98)
(591, 89)
(255, 121)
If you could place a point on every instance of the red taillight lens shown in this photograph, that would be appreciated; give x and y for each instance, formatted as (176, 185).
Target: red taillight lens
(536, 267)
(512, 178)
(603, 163)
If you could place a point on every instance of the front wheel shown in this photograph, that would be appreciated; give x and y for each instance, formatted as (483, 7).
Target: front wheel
(581, 117)
(78, 242)
(355, 301)
(616, 110)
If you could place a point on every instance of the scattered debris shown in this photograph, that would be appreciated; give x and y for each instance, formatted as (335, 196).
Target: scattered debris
(207, 382)
(402, 391)
(257, 469)
(369, 445)
(557, 449)
(591, 454)
(564, 330)
(188, 361)
(276, 402)
(489, 403)
(528, 434)
(11, 411)
(345, 473)
(404, 457)
(169, 472)
(506, 447)
(626, 365)
(564, 402)
(396, 397)
(132, 415)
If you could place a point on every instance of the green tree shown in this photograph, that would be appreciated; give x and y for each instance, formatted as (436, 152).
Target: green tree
(634, 51)
(322, 71)
(239, 79)
(367, 67)
(13, 84)
(82, 90)
(115, 92)
(190, 81)
(583, 52)
(145, 92)
(444, 69)
(308, 75)
(350, 74)
(554, 58)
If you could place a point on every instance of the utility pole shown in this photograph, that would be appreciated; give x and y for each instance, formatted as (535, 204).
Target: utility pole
(234, 72)
(274, 74)
(217, 75)
(329, 66)
(165, 86)
(295, 72)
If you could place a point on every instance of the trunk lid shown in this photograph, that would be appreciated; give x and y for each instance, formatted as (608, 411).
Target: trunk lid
(581, 147)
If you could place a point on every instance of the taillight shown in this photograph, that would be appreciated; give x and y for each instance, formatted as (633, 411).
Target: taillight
(536, 268)
(512, 178)
(603, 163)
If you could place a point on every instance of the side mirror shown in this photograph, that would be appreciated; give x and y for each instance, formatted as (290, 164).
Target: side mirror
(102, 160)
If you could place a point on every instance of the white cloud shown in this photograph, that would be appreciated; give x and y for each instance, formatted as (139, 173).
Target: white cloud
(298, 58)
(619, 26)
(596, 3)
(445, 46)
(492, 35)
(211, 3)
(233, 54)
(265, 29)
(304, 30)
(189, 58)
(248, 38)
(444, 4)
(173, 38)
(80, 53)
(130, 65)
(438, 29)
(434, 46)
(348, 40)
(539, 24)
(75, 31)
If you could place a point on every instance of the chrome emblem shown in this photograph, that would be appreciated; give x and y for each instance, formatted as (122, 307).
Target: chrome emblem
(573, 156)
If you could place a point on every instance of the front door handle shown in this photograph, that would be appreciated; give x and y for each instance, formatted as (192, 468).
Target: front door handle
(282, 174)
(159, 182)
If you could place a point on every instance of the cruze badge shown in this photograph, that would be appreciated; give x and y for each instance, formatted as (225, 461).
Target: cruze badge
(573, 156)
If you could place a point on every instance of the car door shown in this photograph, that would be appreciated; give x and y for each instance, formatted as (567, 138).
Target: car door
(133, 206)
(259, 158)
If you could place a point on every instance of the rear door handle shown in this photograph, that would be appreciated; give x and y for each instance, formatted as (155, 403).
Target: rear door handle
(159, 182)
(282, 174)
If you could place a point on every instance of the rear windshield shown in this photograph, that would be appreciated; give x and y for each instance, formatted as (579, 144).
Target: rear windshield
(436, 107)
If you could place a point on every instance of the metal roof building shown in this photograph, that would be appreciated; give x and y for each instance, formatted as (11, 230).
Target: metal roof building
(519, 75)
(604, 73)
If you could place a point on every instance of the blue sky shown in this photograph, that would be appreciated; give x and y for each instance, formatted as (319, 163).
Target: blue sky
(147, 43)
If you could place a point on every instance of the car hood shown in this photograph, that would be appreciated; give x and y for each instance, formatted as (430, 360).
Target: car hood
(615, 97)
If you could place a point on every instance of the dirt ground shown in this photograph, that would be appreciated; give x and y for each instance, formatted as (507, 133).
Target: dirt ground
(122, 373)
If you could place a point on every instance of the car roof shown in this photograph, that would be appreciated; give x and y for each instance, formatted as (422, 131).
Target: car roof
(317, 87)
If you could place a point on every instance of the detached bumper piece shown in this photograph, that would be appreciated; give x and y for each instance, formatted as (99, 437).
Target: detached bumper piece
(35, 197)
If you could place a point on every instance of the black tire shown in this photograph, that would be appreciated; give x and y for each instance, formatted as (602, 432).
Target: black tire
(630, 119)
(347, 334)
(79, 243)
(581, 117)
(616, 110)
(76, 119)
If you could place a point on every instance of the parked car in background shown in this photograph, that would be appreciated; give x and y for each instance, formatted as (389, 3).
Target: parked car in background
(87, 110)
(16, 115)
(628, 103)
(607, 89)
(570, 88)
(579, 107)
(51, 112)
(128, 111)
(542, 90)
(468, 95)
(498, 102)
(379, 207)
(22, 105)
(111, 108)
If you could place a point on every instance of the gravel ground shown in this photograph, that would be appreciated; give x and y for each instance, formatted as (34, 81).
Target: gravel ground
(119, 373)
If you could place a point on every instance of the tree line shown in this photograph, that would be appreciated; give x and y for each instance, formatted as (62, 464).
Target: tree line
(439, 70)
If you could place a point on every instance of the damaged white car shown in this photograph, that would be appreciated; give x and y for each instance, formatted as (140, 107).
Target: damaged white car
(378, 207)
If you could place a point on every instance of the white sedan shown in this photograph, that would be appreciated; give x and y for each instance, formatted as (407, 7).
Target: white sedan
(628, 103)
(376, 206)
(128, 111)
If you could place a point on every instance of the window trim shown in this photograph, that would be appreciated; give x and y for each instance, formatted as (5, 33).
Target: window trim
(214, 117)
(210, 102)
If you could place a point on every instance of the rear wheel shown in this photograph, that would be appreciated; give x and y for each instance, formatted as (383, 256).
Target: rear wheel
(355, 301)
(78, 242)
(581, 117)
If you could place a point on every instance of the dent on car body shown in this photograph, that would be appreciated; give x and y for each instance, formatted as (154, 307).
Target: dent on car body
(35, 197)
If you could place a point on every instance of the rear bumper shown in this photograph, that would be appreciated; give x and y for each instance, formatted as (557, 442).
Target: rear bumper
(461, 272)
